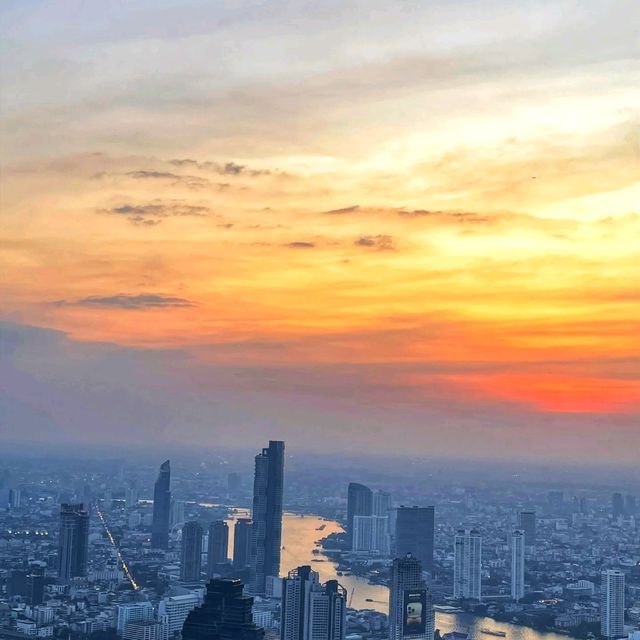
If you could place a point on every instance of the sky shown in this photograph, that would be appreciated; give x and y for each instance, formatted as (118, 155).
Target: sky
(357, 226)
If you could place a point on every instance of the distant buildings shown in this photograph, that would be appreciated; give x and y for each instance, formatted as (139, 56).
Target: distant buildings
(311, 611)
(224, 615)
(161, 508)
(217, 545)
(359, 503)
(73, 544)
(371, 533)
(242, 543)
(411, 612)
(266, 533)
(517, 564)
(612, 604)
(415, 532)
(191, 552)
(467, 572)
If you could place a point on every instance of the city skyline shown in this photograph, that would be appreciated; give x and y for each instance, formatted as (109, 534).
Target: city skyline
(426, 227)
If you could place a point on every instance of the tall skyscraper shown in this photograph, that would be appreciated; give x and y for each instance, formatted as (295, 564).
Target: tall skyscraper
(311, 611)
(371, 533)
(161, 508)
(191, 552)
(35, 584)
(527, 523)
(517, 564)
(467, 571)
(217, 546)
(612, 604)
(359, 503)
(73, 545)
(242, 543)
(617, 505)
(411, 612)
(266, 533)
(381, 504)
(224, 615)
(415, 530)
(15, 498)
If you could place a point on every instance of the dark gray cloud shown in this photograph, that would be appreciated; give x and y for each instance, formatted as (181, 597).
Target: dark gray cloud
(129, 301)
(153, 213)
(300, 245)
(351, 209)
(460, 216)
(223, 168)
(380, 242)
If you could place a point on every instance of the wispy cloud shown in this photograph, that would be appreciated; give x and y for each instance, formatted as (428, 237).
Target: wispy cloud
(153, 213)
(129, 301)
(380, 242)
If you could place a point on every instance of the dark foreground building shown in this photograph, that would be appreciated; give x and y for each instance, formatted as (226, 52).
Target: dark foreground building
(161, 508)
(359, 503)
(224, 615)
(415, 532)
(73, 543)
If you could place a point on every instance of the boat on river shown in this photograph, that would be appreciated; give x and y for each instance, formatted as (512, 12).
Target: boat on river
(493, 632)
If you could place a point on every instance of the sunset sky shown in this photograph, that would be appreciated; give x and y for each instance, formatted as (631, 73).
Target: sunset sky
(400, 227)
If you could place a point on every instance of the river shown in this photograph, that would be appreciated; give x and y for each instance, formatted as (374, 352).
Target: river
(299, 538)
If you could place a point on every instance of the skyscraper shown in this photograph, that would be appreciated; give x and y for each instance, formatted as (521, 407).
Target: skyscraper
(224, 615)
(517, 564)
(612, 604)
(73, 543)
(218, 545)
(359, 503)
(415, 534)
(266, 533)
(467, 571)
(381, 504)
(617, 505)
(411, 612)
(311, 611)
(527, 523)
(161, 508)
(371, 533)
(242, 543)
(191, 552)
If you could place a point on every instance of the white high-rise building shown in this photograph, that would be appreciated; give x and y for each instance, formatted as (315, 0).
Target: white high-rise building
(310, 610)
(612, 604)
(467, 571)
(151, 630)
(381, 503)
(175, 609)
(517, 564)
(411, 614)
(132, 612)
(371, 533)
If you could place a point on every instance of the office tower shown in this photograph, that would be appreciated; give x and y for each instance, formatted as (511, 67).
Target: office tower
(131, 497)
(527, 523)
(73, 544)
(630, 505)
(191, 552)
(411, 612)
(161, 508)
(415, 533)
(242, 543)
(310, 610)
(371, 533)
(150, 630)
(17, 583)
(583, 505)
(612, 604)
(359, 503)
(15, 498)
(132, 612)
(617, 505)
(224, 615)
(517, 564)
(234, 483)
(381, 504)
(107, 501)
(35, 584)
(175, 609)
(217, 545)
(177, 513)
(467, 570)
(266, 533)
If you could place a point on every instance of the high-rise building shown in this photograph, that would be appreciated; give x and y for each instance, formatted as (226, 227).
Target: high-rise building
(242, 543)
(612, 604)
(467, 571)
(411, 612)
(266, 533)
(556, 501)
(310, 610)
(381, 504)
(177, 513)
(359, 503)
(517, 564)
(617, 505)
(73, 544)
(415, 530)
(35, 584)
(161, 508)
(217, 546)
(132, 612)
(224, 615)
(234, 483)
(131, 497)
(630, 505)
(175, 609)
(15, 498)
(371, 533)
(191, 552)
(527, 523)
(150, 630)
